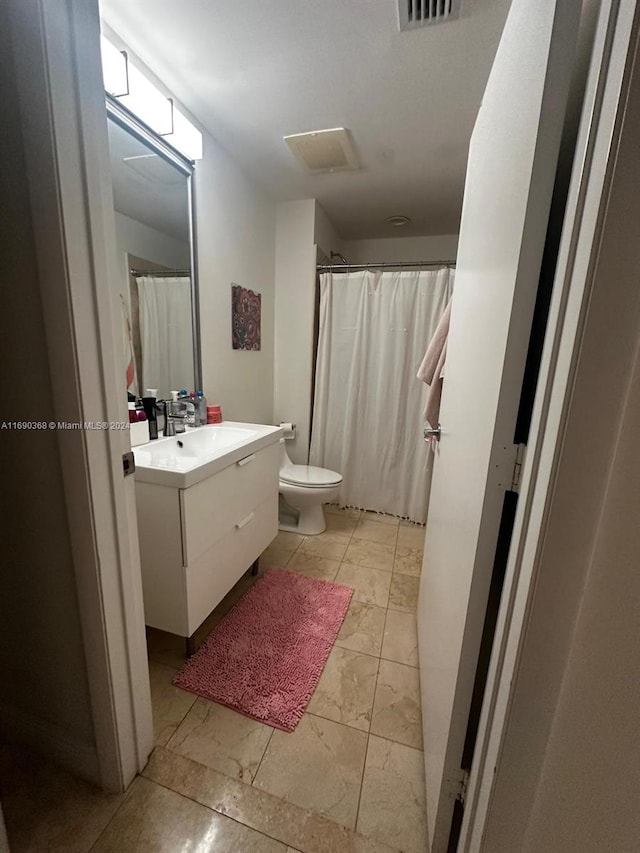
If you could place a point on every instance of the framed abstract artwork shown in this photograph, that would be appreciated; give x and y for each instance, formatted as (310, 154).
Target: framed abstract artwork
(245, 318)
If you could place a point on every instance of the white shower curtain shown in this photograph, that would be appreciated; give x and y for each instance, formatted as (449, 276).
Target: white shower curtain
(368, 408)
(166, 333)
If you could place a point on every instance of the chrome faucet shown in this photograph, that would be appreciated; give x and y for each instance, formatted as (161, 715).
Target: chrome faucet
(177, 415)
(169, 424)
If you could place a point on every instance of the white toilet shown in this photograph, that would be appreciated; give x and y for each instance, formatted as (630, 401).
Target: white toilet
(304, 489)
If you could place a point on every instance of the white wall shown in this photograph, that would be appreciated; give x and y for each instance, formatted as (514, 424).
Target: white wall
(587, 794)
(441, 247)
(136, 238)
(295, 307)
(235, 225)
(326, 237)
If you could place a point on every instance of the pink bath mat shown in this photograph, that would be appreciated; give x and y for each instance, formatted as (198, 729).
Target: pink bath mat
(267, 655)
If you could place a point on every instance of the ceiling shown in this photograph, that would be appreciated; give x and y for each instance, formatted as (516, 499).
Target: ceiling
(253, 73)
(146, 187)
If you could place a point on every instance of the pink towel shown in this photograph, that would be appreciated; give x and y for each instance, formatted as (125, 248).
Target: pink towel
(431, 371)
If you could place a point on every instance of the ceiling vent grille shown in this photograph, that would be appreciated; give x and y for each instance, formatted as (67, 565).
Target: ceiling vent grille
(324, 150)
(422, 13)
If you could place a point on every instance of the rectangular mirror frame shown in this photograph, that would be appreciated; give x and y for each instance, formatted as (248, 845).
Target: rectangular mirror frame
(132, 124)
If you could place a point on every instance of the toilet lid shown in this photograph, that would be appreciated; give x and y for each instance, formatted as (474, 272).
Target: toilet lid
(308, 475)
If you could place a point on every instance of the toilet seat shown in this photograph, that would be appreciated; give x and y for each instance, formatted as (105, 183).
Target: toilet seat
(309, 476)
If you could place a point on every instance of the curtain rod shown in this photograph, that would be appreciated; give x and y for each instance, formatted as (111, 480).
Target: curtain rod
(176, 273)
(332, 267)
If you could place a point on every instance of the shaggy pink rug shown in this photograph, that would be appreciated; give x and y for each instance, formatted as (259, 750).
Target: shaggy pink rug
(267, 655)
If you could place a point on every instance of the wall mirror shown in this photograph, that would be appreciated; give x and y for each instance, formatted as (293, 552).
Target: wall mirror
(153, 200)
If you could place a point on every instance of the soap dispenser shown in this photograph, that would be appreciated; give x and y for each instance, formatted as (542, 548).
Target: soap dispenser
(150, 408)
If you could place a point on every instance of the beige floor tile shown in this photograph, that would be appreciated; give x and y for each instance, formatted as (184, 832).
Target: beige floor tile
(286, 541)
(328, 544)
(222, 739)
(275, 557)
(401, 638)
(314, 566)
(411, 537)
(375, 531)
(396, 709)
(381, 517)
(362, 628)
(155, 819)
(392, 805)
(408, 561)
(375, 555)
(164, 648)
(370, 585)
(348, 512)
(403, 593)
(346, 689)
(318, 766)
(47, 810)
(343, 524)
(169, 704)
(300, 828)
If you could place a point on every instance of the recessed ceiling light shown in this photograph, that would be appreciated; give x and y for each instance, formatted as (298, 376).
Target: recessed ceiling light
(398, 221)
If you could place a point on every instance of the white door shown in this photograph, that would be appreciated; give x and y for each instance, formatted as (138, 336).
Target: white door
(510, 175)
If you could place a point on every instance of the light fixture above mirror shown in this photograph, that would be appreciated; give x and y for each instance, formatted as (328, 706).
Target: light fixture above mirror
(127, 84)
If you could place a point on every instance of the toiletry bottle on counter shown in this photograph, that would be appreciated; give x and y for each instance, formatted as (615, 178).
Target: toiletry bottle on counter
(201, 402)
(184, 398)
(150, 407)
(192, 411)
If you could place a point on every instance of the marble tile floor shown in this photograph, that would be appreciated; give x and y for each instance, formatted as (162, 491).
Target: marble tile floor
(349, 779)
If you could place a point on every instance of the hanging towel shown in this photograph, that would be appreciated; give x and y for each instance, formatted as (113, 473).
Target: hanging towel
(127, 344)
(431, 371)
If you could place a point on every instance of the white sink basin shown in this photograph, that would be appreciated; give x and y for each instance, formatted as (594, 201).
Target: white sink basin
(185, 459)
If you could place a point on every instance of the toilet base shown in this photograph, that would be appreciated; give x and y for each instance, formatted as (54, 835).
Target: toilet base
(311, 521)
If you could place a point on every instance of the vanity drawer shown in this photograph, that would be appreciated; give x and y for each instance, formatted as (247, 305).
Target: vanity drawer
(213, 574)
(213, 507)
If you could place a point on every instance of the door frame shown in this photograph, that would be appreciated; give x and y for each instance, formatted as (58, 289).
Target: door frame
(609, 81)
(56, 52)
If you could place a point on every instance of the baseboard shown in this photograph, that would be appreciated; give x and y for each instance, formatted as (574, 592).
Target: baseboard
(52, 742)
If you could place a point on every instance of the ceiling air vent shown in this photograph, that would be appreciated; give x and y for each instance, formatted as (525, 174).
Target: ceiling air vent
(324, 150)
(422, 13)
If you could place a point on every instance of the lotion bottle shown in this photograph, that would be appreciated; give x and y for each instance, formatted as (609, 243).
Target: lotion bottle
(201, 402)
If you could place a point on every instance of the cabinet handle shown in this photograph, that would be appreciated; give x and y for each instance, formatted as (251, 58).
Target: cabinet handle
(245, 521)
(246, 460)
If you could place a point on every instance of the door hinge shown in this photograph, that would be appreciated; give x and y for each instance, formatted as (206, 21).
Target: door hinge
(517, 467)
(463, 784)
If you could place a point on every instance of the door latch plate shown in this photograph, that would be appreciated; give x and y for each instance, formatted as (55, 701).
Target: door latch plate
(128, 463)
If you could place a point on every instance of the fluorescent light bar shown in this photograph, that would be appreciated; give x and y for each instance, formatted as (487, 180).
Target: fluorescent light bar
(148, 103)
(114, 69)
(130, 86)
(185, 137)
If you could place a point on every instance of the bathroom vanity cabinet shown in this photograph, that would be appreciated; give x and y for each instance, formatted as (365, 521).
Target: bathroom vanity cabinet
(196, 542)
